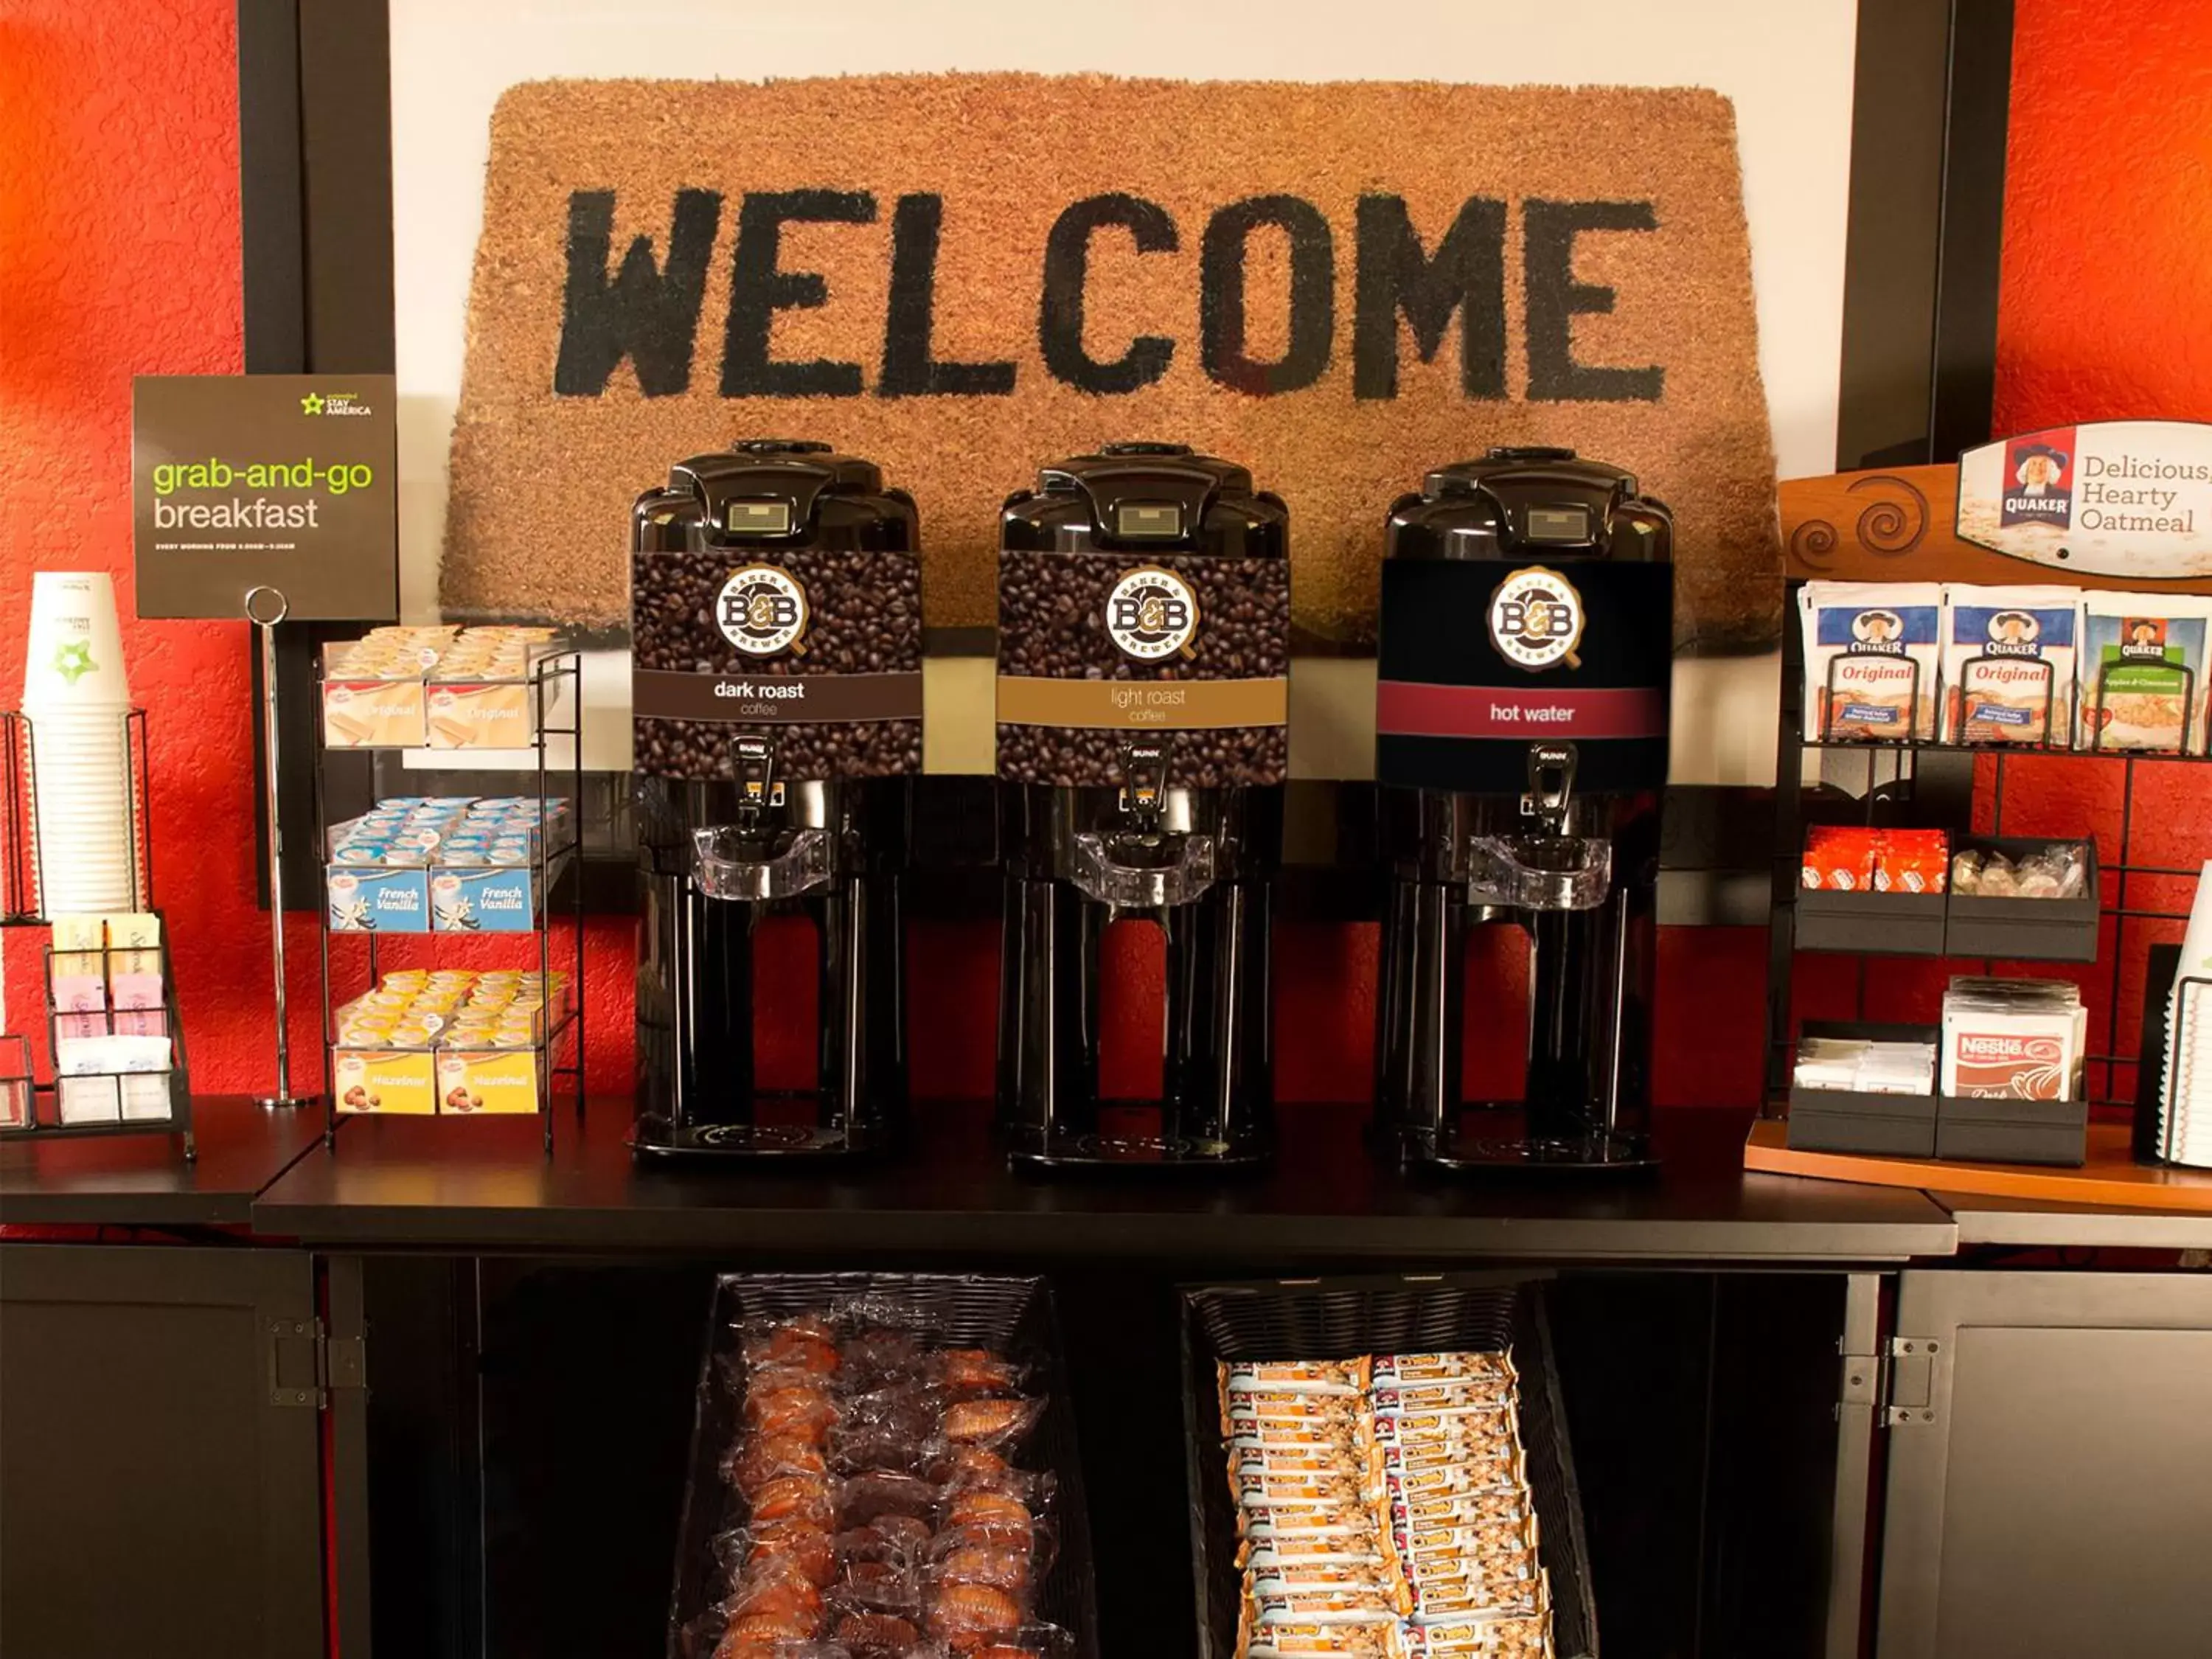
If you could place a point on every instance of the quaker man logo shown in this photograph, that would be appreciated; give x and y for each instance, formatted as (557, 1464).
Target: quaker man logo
(1536, 619)
(2037, 490)
(762, 611)
(1152, 614)
(2145, 640)
(2013, 633)
(1880, 632)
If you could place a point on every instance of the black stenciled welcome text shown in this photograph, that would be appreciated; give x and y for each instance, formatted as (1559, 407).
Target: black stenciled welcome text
(645, 307)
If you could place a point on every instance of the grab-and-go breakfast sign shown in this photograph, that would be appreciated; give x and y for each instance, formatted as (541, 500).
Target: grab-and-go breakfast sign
(2114, 498)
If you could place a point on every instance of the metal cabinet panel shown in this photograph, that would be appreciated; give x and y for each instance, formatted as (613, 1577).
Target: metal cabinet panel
(2050, 1488)
(155, 1496)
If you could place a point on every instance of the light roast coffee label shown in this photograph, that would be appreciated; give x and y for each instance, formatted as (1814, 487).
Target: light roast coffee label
(819, 651)
(1099, 649)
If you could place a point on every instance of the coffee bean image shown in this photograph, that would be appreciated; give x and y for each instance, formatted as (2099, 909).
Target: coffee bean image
(863, 616)
(1053, 624)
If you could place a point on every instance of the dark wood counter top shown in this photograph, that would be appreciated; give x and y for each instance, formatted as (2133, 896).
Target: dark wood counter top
(488, 1184)
(144, 1181)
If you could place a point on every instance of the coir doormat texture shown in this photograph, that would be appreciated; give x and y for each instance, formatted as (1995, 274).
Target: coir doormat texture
(963, 276)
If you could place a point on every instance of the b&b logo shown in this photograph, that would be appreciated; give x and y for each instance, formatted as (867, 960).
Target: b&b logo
(762, 611)
(1151, 614)
(1536, 619)
(2038, 480)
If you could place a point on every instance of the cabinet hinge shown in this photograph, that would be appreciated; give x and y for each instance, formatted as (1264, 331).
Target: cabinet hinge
(1908, 1387)
(306, 1362)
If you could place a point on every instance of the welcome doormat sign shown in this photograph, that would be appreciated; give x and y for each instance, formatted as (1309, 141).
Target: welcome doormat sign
(963, 276)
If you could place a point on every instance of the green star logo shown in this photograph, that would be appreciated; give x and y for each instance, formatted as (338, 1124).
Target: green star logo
(312, 403)
(73, 661)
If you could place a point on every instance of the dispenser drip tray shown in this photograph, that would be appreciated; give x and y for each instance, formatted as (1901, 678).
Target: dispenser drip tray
(1496, 1137)
(1133, 1137)
(655, 1136)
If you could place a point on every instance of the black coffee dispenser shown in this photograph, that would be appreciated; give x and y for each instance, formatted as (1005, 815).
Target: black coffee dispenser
(1144, 624)
(776, 600)
(1526, 643)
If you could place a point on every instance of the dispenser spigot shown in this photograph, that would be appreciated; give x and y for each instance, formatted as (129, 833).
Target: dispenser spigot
(1551, 784)
(1143, 780)
(758, 787)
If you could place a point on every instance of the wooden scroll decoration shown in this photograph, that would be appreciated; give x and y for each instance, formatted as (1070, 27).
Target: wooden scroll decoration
(1900, 524)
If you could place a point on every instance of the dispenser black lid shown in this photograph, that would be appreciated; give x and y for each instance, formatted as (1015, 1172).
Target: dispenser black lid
(1525, 463)
(1527, 500)
(774, 490)
(1131, 497)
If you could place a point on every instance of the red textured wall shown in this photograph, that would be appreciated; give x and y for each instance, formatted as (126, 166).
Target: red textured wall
(120, 255)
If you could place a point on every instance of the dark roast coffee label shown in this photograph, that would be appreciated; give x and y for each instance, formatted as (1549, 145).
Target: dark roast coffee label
(1097, 649)
(818, 651)
(1480, 658)
(778, 700)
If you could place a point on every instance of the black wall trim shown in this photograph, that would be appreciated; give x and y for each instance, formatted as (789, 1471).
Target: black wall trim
(1932, 95)
(1971, 251)
(271, 154)
(345, 125)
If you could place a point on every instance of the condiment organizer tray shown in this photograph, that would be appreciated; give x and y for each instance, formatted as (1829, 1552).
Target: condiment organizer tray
(1342, 1319)
(1956, 1129)
(1957, 924)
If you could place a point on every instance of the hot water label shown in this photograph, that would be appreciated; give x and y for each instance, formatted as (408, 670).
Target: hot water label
(1480, 658)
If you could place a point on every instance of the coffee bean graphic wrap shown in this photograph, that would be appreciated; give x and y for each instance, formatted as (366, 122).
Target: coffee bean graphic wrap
(1053, 627)
(864, 618)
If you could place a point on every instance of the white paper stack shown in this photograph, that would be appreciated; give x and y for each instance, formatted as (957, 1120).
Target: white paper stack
(2185, 1134)
(78, 700)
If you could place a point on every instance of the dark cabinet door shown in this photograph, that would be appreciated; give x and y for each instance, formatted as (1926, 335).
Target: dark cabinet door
(160, 1490)
(2050, 1466)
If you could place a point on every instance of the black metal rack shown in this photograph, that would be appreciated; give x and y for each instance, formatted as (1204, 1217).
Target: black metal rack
(554, 682)
(30, 1108)
(1936, 785)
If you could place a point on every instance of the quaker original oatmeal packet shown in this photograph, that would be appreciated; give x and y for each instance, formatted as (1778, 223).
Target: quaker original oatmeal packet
(2008, 665)
(1872, 651)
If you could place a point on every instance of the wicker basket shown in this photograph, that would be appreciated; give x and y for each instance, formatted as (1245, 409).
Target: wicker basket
(1339, 1319)
(1014, 1315)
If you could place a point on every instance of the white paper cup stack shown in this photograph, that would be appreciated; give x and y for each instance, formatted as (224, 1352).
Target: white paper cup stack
(78, 699)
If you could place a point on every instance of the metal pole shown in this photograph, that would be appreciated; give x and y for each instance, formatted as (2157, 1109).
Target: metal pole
(265, 607)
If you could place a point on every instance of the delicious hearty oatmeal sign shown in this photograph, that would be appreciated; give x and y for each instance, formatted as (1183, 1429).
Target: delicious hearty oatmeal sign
(1338, 284)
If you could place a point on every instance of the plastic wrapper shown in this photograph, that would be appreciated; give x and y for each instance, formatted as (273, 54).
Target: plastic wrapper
(912, 1410)
(758, 1460)
(969, 1617)
(977, 1373)
(808, 1548)
(865, 1498)
(2060, 871)
(1008, 1557)
(886, 1538)
(775, 1587)
(877, 1635)
(1030, 1641)
(959, 1468)
(881, 1584)
(885, 1354)
(805, 1409)
(807, 1500)
(991, 1509)
(994, 1425)
(808, 1343)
